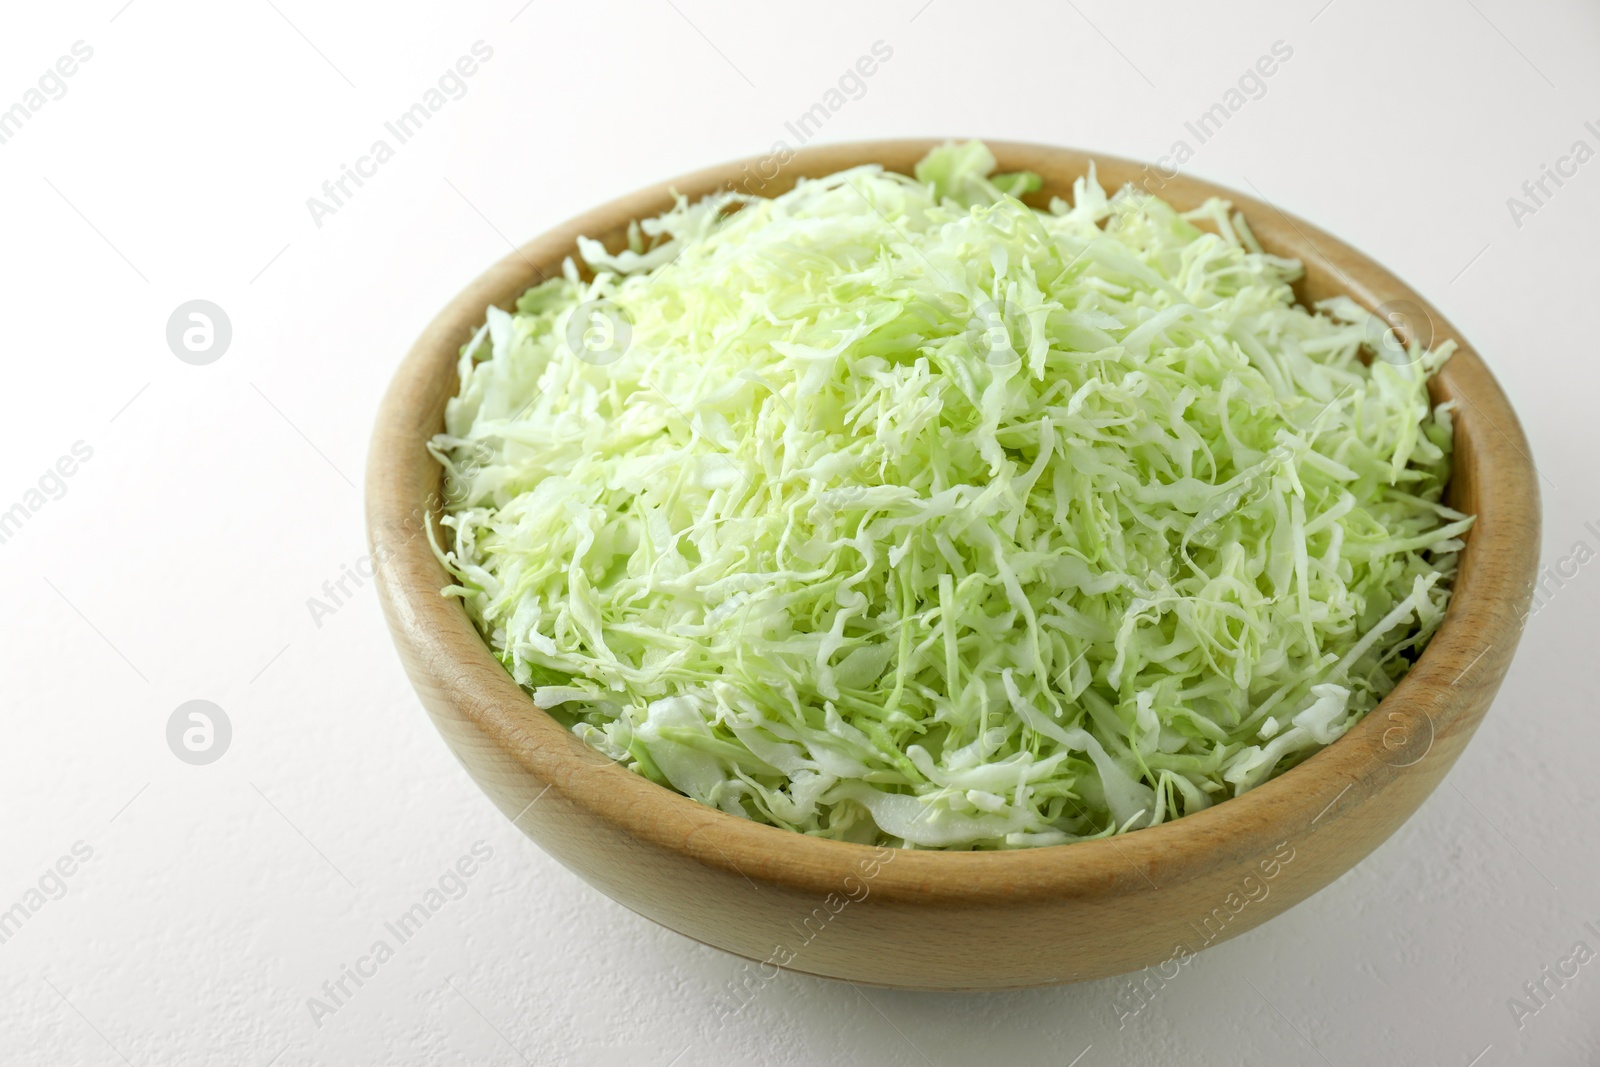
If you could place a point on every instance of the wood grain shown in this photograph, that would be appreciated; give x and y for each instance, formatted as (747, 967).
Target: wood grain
(955, 920)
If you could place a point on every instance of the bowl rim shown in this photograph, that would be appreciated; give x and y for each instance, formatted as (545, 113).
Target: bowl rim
(1489, 604)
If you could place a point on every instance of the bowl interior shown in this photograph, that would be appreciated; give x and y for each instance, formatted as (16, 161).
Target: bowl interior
(1433, 710)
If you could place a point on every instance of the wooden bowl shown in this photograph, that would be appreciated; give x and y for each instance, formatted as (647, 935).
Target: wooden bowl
(955, 920)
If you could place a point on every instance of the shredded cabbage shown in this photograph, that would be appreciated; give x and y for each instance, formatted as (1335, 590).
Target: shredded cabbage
(894, 510)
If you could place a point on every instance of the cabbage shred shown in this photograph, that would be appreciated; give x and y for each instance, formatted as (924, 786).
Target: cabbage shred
(895, 510)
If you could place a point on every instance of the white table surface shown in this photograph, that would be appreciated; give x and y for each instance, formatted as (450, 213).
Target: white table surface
(179, 559)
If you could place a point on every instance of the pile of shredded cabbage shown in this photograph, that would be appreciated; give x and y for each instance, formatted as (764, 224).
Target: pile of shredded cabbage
(894, 510)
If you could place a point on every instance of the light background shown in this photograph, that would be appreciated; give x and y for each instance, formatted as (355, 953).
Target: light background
(219, 498)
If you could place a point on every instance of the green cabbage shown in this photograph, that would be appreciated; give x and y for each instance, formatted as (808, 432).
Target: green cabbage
(894, 510)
